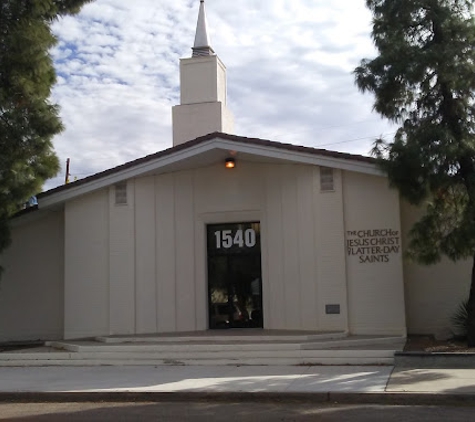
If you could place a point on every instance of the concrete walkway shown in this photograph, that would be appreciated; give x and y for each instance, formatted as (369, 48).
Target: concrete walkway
(195, 379)
(361, 384)
(438, 381)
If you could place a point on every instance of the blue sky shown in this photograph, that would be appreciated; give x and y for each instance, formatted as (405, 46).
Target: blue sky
(289, 67)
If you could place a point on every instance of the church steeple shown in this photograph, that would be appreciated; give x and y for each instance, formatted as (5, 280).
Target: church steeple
(203, 96)
(202, 45)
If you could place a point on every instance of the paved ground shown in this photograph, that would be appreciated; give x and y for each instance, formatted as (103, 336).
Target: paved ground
(228, 412)
(196, 378)
(66, 391)
(273, 379)
(236, 393)
(277, 379)
(440, 381)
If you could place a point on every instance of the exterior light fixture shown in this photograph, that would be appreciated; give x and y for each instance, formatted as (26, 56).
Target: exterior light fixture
(230, 163)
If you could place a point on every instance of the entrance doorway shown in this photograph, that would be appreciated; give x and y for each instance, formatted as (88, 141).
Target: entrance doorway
(234, 275)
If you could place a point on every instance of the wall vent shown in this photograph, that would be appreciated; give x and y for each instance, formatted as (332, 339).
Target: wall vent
(326, 179)
(121, 193)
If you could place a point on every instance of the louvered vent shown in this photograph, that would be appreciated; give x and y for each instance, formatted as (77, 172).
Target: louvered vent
(121, 193)
(326, 179)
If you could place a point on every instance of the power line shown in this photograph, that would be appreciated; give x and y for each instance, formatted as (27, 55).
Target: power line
(358, 122)
(354, 140)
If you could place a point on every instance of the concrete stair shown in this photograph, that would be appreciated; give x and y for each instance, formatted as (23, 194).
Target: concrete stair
(203, 349)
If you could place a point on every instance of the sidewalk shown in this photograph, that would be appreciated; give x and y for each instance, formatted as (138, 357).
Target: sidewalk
(380, 384)
(438, 381)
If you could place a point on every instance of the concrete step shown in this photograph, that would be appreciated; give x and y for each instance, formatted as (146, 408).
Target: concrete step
(185, 354)
(230, 344)
(173, 348)
(79, 359)
(231, 337)
(192, 362)
(212, 350)
(186, 357)
(201, 362)
(357, 341)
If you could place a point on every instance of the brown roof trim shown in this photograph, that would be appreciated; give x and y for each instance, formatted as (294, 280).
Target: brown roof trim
(202, 139)
(296, 148)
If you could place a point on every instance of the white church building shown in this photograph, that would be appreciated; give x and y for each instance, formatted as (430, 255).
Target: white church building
(222, 231)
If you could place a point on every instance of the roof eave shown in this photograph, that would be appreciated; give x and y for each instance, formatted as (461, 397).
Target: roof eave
(153, 163)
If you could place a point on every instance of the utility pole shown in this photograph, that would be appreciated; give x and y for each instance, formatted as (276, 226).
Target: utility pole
(66, 177)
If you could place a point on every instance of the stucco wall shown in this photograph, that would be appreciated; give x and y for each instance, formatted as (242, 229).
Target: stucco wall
(86, 302)
(374, 256)
(193, 120)
(146, 289)
(31, 290)
(302, 241)
(289, 290)
(171, 213)
(203, 100)
(142, 267)
(294, 223)
(202, 80)
(330, 253)
(122, 263)
(432, 292)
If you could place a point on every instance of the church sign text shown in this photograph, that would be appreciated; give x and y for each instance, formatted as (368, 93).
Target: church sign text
(371, 246)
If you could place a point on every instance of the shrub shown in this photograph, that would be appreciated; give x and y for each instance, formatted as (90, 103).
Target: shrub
(460, 319)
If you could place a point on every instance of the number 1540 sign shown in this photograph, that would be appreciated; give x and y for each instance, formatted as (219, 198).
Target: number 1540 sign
(227, 239)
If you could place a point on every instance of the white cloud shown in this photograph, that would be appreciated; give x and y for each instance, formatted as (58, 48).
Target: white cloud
(289, 75)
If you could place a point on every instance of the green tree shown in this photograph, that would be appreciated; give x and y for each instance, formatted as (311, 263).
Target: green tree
(28, 121)
(424, 81)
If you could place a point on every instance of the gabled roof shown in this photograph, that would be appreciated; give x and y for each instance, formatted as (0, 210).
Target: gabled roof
(207, 149)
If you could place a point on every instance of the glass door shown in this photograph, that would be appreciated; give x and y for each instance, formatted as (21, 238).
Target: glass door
(234, 275)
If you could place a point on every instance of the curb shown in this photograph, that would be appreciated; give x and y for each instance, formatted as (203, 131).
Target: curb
(400, 399)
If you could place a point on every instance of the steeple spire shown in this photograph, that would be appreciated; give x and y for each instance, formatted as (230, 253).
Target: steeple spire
(202, 44)
(203, 98)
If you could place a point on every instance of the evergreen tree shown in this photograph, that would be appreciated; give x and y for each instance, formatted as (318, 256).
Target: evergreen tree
(28, 121)
(424, 80)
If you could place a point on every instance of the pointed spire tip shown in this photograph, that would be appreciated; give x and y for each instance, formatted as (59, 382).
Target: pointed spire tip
(202, 45)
